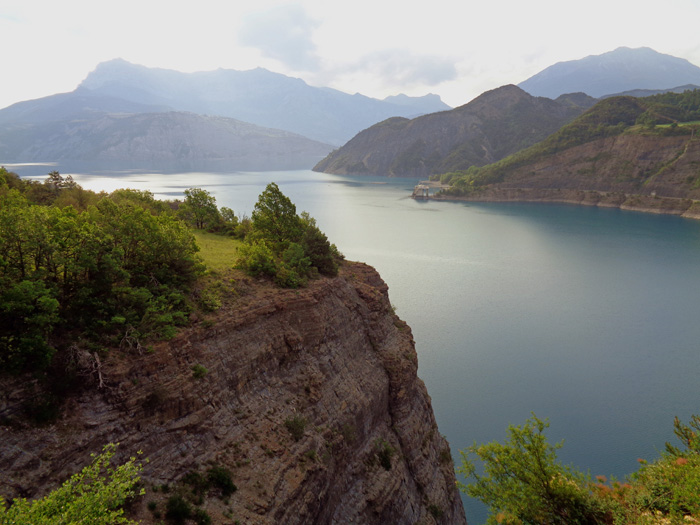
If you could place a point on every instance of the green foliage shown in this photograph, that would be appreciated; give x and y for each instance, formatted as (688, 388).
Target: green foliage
(285, 246)
(178, 510)
(220, 478)
(120, 264)
(199, 209)
(523, 482)
(296, 426)
(275, 218)
(384, 452)
(28, 314)
(94, 495)
(199, 371)
(257, 259)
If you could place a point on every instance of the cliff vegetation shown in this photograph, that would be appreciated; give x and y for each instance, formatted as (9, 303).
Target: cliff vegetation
(524, 482)
(288, 395)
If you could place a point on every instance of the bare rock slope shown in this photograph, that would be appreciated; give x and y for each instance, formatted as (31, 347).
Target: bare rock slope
(333, 356)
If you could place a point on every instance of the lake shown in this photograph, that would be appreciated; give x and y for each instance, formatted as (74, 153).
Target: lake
(582, 315)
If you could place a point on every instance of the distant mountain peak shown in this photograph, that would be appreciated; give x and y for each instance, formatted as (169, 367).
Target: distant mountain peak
(620, 70)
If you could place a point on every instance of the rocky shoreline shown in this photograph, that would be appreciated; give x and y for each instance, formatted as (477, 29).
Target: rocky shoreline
(688, 208)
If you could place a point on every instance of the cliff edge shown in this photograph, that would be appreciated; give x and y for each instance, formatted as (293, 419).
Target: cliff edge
(332, 357)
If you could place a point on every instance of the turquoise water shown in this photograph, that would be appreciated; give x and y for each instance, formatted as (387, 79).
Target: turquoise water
(585, 316)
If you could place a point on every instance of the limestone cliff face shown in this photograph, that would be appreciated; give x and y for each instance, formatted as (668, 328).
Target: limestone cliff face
(333, 355)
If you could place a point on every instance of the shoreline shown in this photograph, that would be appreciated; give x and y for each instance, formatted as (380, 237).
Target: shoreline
(684, 207)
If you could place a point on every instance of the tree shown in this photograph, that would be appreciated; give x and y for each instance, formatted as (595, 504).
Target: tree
(93, 495)
(200, 208)
(524, 483)
(275, 218)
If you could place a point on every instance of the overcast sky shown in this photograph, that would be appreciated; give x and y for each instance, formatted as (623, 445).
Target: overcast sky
(456, 49)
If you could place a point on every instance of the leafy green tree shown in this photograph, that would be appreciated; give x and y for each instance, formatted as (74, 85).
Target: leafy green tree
(229, 219)
(275, 218)
(257, 259)
(524, 483)
(200, 208)
(94, 495)
(28, 314)
(322, 254)
(116, 265)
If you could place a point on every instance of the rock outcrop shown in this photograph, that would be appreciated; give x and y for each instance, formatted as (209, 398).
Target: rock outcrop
(333, 357)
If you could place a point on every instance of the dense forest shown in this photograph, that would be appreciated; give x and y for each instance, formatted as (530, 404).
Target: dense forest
(85, 271)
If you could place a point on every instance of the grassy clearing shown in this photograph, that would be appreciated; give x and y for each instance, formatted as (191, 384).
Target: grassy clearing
(218, 252)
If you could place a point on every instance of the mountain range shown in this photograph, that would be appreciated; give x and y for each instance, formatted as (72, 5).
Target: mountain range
(492, 126)
(257, 96)
(503, 121)
(119, 113)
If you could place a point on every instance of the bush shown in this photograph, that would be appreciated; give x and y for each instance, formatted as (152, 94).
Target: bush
(523, 482)
(220, 477)
(296, 426)
(384, 452)
(199, 371)
(177, 510)
(257, 259)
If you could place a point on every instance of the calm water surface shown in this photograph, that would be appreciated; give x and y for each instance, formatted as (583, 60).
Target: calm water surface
(585, 316)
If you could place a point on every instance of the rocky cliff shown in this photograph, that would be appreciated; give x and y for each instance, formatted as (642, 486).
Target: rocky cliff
(333, 357)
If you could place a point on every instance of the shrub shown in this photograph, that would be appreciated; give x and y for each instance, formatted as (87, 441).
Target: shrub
(257, 259)
(178, 510)
(384, 452)
(198, 371)
(296, 426)
(220, 477)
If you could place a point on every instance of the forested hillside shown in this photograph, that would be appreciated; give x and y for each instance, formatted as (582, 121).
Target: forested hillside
(623, 145)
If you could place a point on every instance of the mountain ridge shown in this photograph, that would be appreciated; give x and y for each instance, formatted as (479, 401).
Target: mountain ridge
(633, 153)
(617, 71)
(257, 96)
(493, 125)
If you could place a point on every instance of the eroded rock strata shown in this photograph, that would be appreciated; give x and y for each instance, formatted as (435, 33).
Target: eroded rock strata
(332, 355)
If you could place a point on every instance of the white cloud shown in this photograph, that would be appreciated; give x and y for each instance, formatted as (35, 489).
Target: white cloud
(283, 33)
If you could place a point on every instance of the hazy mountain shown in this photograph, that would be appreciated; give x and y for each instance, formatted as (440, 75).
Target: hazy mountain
(257, 96)
(617, 71)
(166, 137)
(75, 105)
(429, 103)
(493, 125)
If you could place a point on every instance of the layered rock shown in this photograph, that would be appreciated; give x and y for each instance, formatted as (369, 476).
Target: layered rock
(333, 357)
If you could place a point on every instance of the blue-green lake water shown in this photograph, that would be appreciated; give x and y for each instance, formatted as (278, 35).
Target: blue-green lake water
(582, 315)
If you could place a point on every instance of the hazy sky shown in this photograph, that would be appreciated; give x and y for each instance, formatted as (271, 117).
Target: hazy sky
(457, 49)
